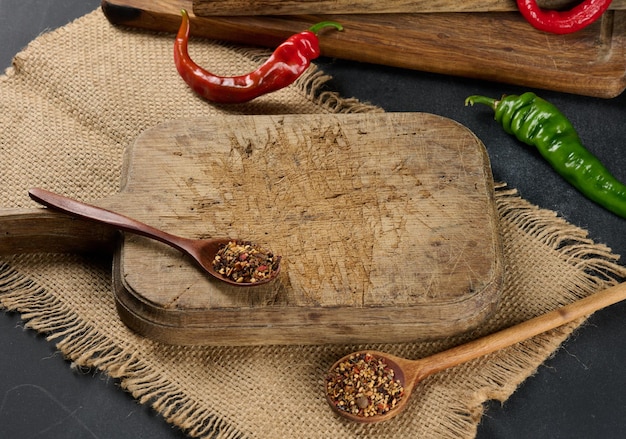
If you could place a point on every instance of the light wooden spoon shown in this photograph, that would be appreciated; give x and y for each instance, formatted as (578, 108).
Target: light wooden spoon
(411, 372)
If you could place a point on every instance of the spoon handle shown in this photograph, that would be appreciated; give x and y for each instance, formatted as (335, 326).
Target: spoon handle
(104, 216)
(523, 331)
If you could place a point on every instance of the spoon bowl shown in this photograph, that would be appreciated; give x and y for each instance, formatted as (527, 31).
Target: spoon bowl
(202, 251)
(402, 369)
(340, 386)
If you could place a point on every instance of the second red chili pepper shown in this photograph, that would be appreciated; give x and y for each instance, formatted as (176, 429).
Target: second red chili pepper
(282, 68)
(562, 22)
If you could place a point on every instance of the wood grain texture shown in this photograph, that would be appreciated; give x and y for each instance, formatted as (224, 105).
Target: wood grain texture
(386, 224)
(294, 7)
(495, 46)
(44, 231)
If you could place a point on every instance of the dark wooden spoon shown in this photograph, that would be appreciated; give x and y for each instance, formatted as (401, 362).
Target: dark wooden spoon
(203, 251)
(411, 372)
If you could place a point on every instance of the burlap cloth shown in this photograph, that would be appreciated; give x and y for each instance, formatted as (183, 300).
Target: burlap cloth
(77, 97)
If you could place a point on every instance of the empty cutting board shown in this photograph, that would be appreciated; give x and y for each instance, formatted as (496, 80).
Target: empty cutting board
(386, 224)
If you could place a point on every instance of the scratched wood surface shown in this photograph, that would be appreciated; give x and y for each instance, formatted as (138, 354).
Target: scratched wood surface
(386, 224)
(286, 7)
(495, 46)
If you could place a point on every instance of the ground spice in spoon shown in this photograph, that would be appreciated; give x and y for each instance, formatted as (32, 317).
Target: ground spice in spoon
(245, 262)
(364, 385)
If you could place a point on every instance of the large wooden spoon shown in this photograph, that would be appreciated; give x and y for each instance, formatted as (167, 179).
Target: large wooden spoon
(203, 251)
(411, 372)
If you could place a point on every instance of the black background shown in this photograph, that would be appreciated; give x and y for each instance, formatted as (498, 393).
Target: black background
(579, 393)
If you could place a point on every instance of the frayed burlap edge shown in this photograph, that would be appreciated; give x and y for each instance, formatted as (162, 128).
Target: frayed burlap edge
(506, 370)
(501, 372)
(87, 347)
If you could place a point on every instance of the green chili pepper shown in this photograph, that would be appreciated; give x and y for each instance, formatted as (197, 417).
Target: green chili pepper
(538, 123)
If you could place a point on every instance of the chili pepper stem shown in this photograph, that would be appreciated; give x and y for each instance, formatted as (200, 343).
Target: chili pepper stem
(322, 24)
(286, 64)
(490, 102)
(538, 123)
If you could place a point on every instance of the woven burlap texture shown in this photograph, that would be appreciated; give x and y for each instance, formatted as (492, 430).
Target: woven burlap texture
(75, 98)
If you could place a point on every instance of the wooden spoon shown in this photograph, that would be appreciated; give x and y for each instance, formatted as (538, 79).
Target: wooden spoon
(411, 372)
(203, 251)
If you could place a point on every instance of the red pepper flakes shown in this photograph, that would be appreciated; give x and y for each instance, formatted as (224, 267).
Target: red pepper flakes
(245, 262)
(364, 385)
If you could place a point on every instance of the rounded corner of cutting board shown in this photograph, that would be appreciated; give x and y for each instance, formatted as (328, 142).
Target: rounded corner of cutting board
(405, 145)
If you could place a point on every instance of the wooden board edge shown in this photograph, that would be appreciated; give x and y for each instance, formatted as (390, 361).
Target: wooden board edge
(295, 7)
(161, 329)
(40, 230)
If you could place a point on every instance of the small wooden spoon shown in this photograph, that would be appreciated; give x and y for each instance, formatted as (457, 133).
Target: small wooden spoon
(203, 251)
(411, 372)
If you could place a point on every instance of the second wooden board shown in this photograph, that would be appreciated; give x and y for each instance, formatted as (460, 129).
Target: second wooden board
(495, 46)
(286, 7)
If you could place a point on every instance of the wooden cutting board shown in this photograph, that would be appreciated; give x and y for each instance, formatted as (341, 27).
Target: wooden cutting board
(286, 7)
(494, 46)
(386, 224)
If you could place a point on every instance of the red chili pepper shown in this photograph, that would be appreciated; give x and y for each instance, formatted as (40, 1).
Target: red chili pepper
(563, 22)
(282, 68)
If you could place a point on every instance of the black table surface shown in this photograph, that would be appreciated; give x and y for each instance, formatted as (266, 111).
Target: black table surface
(578, 393)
